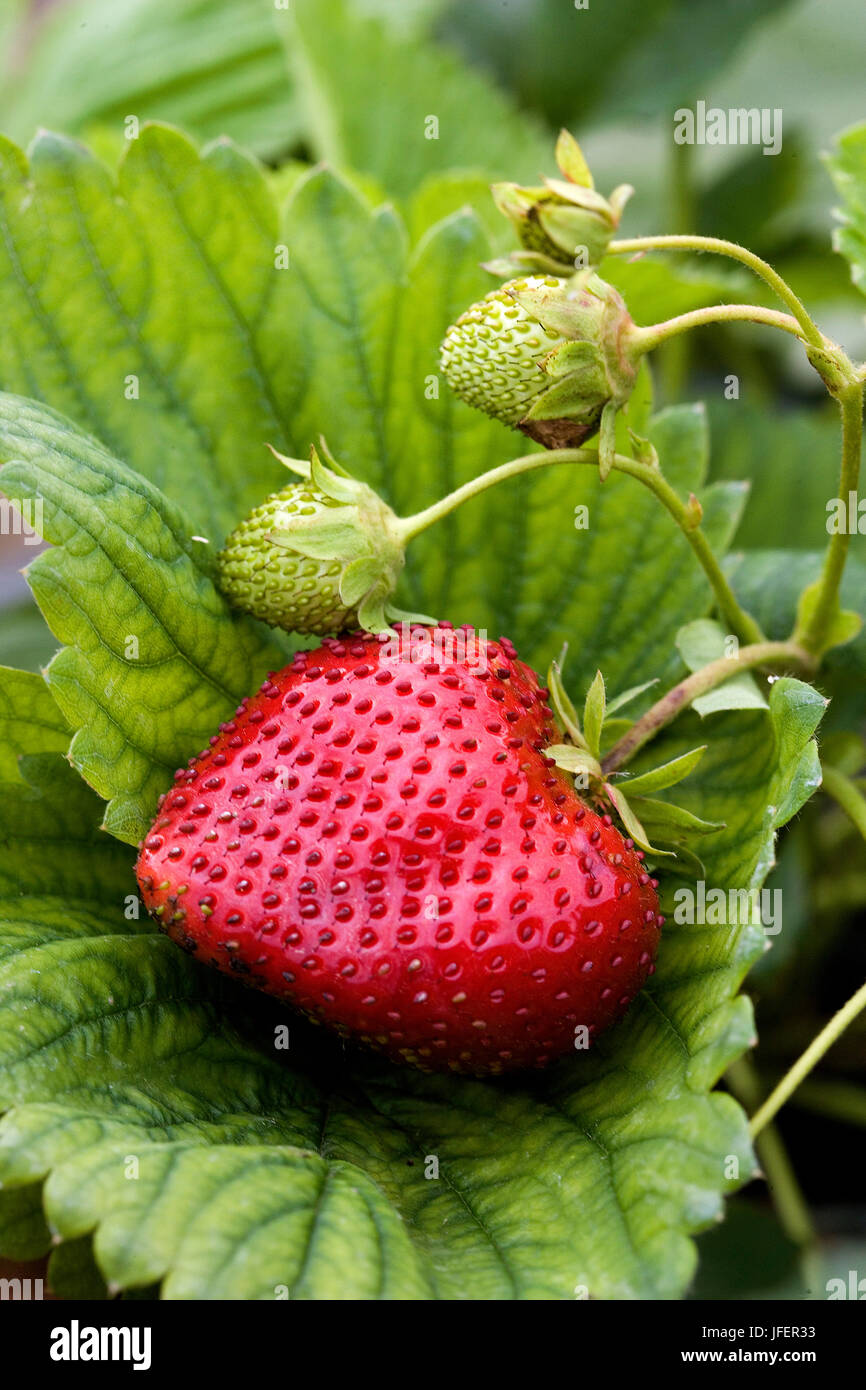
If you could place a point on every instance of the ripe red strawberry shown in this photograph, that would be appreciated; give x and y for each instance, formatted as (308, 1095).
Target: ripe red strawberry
(380, 840)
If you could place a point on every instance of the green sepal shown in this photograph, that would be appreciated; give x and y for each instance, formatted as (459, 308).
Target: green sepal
(371, 612)
(583, 199)
(570, 159)
(607, 440)
(299, 466)
(403, 615)
(572, 359)
(569, 397)
(620, 701)
(358, 578)
(667, 775)
(593, 714)
(560, 702)
(334, 465)
(334, 539)
(571, 759)
(518, 263)
(630, 821)
(665, 816)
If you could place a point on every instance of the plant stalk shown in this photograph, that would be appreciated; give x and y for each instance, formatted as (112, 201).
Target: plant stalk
(808, 1059)
(846, 794)
(810, 330)
(715, 673)
(651, 336)
(740, 623)
(827, 606)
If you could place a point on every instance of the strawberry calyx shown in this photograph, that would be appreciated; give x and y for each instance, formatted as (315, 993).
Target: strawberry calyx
(644, 818)
(349, 537)
(563, 222)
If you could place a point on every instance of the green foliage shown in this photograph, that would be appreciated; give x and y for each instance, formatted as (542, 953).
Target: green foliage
(848, 167)
(154, 658)
(368, 97)
(163, 321)
(627, 56)
(205, 64)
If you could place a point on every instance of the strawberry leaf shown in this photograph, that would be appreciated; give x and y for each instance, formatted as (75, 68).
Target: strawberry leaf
(30, 721)
(131, 594)
(350, 68)
(149, 309)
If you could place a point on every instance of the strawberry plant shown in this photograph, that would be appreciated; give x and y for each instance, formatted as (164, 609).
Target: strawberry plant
(463, 755)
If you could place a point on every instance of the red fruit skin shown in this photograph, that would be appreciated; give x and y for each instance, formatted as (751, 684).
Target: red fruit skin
(382, 843)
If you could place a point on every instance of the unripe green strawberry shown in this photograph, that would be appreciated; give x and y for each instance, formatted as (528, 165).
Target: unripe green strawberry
(322, 555)
(564, 222)
(492, 355)
(552, 357)
(281, 586)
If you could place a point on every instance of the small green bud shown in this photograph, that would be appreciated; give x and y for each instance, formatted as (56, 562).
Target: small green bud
(322, 555)
(563, 224)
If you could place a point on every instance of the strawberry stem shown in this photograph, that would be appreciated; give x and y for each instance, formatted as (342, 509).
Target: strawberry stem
(650, 337)
(810, 330)
(820, 622)
(804, 1064)
(846, 794)
(715, 673)
(740, 623)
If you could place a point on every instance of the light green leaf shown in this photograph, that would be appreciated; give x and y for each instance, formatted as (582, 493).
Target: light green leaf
(30, 721)
(704, 641)
(148, 309)
(353, 73)
(155, 658)
(848, 168)
(214, 66)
